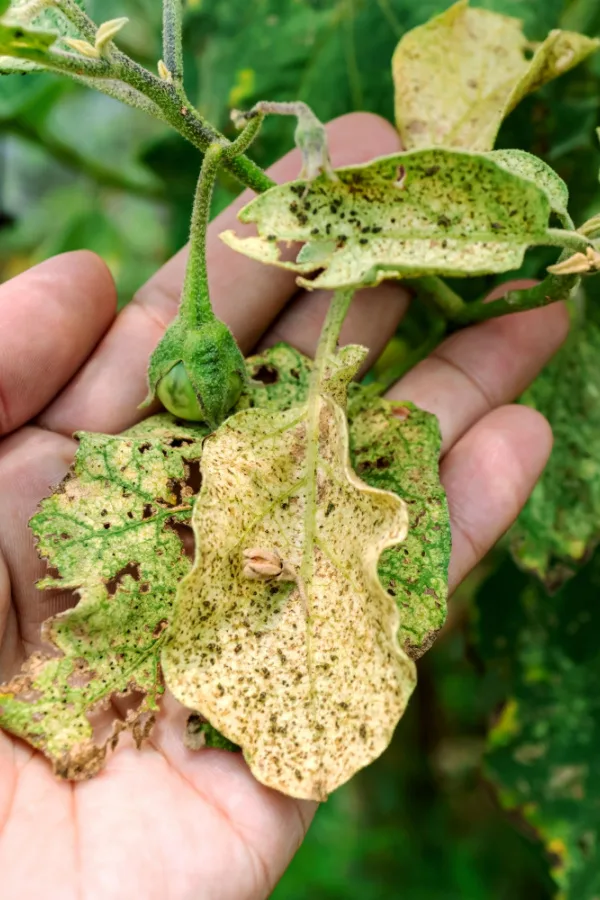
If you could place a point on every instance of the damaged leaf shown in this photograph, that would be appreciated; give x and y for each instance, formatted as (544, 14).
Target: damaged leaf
(302, 670)
(531, 167)
(394, 446)
(458, 76)
(560, 524)
(109, 534)
(436, 211)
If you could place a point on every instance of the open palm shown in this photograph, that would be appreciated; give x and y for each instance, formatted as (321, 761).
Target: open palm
(163, 822)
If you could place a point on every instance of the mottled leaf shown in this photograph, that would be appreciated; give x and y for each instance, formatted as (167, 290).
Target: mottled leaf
(109, 534)
(543, 654)
(304, 671)
(560, 524)
(429, 211)
(459, 75)
(394, 446)
(529, 166)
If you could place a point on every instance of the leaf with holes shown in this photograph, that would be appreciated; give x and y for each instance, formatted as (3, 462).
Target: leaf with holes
(437, 211)
(458, 76)
(109, 532)
(394, 446)
(283, 637)
(560, 524)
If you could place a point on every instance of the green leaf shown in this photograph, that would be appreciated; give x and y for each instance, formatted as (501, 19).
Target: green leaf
(459, 75)
(394, 446)
(526, 165)
(303, 671)
(109, 533)
(560, 524)
(543, 748)
(435, 211)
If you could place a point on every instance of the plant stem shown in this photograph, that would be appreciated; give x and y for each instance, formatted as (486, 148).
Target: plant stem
(430, 287)
(340, 303)
(129, 82)
(552, 289)
(195, 306)
(173, 39)
(570, 240)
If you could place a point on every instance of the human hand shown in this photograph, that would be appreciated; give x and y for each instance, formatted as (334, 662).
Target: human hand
(164, 822)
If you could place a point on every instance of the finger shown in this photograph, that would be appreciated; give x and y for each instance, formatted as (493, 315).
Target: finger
(51, 318)
(488, 476)
(371, 321)
(12, 654)
(32, 462)
(482, 367)
(269, 825)
(106, 393)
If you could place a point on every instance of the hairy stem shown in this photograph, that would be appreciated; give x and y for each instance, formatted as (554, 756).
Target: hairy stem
(570, 240)
(173, 39)
(330, 333)
(552, 289)
(129, 82)
(195, 306)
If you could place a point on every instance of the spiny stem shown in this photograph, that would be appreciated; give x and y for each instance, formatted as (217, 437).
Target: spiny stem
(173, 39)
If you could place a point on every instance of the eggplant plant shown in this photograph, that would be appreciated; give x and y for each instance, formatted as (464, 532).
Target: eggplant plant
(322, 535)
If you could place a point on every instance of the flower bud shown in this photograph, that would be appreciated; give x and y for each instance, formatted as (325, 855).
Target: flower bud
(197, 373)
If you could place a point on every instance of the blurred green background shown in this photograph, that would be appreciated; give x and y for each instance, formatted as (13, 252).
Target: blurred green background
(78, 170)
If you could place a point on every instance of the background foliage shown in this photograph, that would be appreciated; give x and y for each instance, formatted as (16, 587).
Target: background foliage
(78, 170)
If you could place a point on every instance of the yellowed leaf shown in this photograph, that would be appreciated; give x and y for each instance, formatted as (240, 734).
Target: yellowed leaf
(459, 75)
(283, 637)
